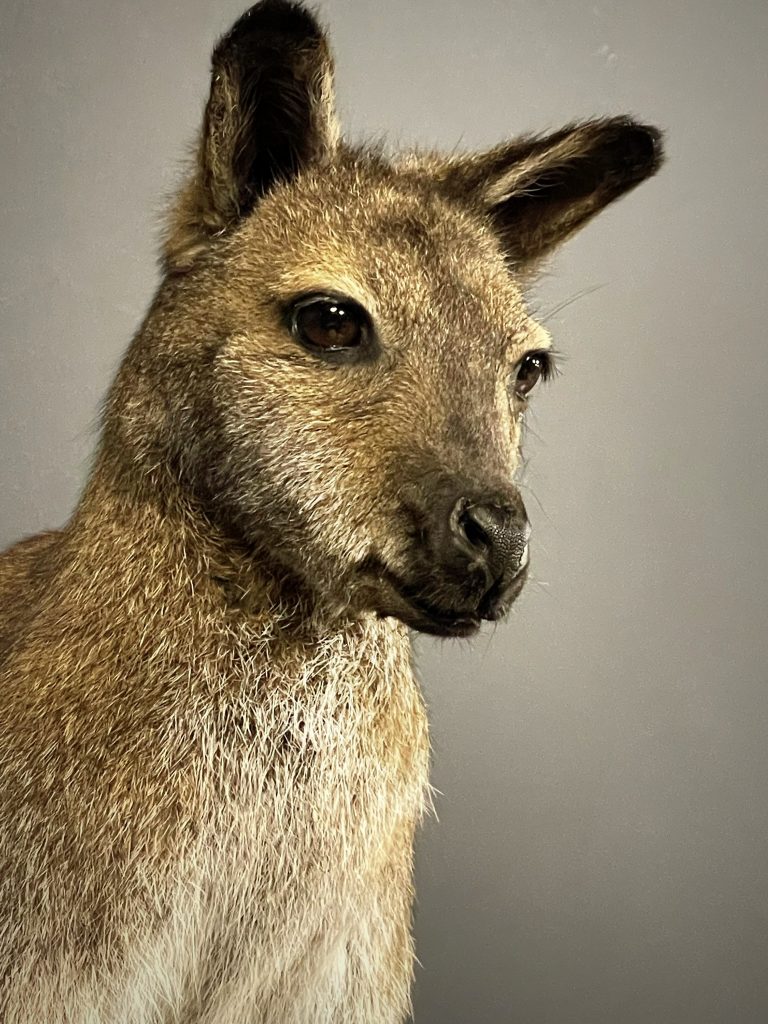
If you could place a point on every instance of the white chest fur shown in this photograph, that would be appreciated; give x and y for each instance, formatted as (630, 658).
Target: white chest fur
(287, 897)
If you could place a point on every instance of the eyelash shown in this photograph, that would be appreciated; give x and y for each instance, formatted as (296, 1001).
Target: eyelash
(543, 361)
(549, 368)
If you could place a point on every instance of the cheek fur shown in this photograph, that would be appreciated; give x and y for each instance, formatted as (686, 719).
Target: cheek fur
(298, 456)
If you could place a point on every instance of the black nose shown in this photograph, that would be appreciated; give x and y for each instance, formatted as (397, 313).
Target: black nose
(490, 536)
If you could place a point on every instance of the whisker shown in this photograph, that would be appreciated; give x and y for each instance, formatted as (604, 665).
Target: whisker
(532, 494)
(533, 433)
(567, 302)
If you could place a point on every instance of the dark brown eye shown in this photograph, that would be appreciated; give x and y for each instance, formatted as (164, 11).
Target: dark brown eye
(532, 367)
(329, 324)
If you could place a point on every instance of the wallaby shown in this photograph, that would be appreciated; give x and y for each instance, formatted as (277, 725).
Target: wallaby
(213, 752)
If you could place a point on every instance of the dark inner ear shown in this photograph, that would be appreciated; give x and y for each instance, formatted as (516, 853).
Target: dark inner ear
(601, 162)
(539, 191)
(267, 93)
(617, 162)
(269, 114)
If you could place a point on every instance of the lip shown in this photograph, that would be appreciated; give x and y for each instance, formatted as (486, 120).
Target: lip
(498, 601)
(404, 601)
(407, 605)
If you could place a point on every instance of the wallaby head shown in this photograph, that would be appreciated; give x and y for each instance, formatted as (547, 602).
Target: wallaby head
(339, 357)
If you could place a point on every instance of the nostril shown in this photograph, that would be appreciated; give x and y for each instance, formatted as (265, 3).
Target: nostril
(473, 529)
(493, 535)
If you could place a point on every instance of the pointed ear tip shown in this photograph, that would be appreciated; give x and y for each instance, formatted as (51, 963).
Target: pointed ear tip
(644, 145)
(272, 17)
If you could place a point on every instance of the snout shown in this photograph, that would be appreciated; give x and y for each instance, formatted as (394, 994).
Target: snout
(488, 538)
(469, 560)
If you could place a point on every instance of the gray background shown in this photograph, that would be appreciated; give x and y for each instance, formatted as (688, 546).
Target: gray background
(601, 759)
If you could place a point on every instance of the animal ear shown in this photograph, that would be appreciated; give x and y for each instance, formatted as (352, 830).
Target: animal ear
(270, 113)
(538, 191)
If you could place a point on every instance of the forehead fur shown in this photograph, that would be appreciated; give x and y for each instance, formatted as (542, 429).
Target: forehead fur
(367, 229)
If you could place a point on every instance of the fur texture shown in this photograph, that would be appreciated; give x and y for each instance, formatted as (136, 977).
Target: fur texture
(213, 753)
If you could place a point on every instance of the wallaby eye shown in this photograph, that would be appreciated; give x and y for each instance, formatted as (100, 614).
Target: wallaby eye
(326, 324)
(532, 367)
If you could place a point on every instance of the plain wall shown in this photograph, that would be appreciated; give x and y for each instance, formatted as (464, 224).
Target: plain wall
(601, 759)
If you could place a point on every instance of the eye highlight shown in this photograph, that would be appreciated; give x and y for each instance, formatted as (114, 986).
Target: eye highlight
(326, 325)
(533, 367)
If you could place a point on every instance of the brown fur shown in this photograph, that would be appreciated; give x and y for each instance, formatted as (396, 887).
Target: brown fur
(213, 752)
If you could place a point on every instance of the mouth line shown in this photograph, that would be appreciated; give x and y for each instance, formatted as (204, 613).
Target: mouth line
(442, 621)
(422, 614)
(417, 612)
(497, 601)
